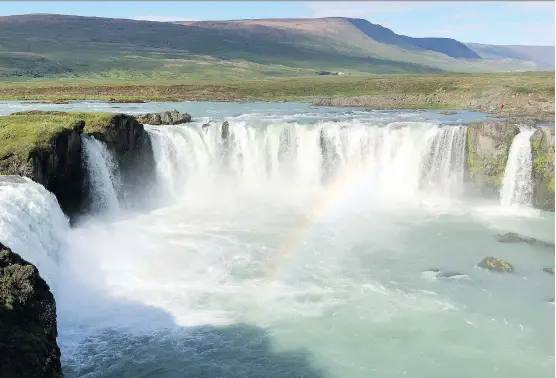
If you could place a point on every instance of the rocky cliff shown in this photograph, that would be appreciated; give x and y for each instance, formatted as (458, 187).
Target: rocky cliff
(59, 166)
(488, 146)
(542, 143)
(28, 329)
(131, 145)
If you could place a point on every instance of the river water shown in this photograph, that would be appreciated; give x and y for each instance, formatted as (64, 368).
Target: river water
(266, 257)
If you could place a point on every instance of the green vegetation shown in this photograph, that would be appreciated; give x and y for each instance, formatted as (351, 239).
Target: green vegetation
(284, 89)
(543, 159)
(21, 132)
(101, 49)
(488, 164)
(13, 277)
(496, 264)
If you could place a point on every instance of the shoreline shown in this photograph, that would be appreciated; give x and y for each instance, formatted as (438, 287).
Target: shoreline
(524, 95)
(528, 116)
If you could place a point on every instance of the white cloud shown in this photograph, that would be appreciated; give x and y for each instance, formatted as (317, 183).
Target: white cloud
(163, 18)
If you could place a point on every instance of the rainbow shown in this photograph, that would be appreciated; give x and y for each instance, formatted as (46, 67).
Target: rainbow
(348, 179)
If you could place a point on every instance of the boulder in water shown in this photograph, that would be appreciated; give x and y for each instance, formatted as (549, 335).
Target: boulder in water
(448, 112)
(171, 117)
(512, 237)
(445, 274)
(548, 270)
(496, 264)
(450, 274)
(28, 326)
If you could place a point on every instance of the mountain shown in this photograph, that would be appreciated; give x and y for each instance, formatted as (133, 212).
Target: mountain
(447, 46)
(61, 46)
(542, 55)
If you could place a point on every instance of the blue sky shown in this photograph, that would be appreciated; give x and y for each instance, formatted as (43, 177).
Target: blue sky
(525, 22)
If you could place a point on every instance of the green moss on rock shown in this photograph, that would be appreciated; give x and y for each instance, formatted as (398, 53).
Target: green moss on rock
(496, 264)
(488, 145)
(28, 328)
(542, 146)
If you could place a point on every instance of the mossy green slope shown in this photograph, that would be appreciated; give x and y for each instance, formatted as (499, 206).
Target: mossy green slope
(21, 132)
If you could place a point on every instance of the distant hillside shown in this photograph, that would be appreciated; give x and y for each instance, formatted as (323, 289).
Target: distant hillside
(543, 55)
(446, 46)
(58, 46)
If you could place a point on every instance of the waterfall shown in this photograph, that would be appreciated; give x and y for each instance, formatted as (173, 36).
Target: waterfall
(444, 165)
(517, 184)
(401, 159)
(32, 223)
(103, 176)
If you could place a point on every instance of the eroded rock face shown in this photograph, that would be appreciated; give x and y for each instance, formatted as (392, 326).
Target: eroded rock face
(28, 328)
(488, 145)
(127, 139)
(496, 264)
(171, 117)
(59, 168)
(542, 147)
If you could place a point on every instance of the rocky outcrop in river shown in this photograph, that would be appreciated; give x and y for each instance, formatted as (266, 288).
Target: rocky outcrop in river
(488, 146)
(171, 117)
(542, 143)
(28, 328)
(131, 145)
(59, 165)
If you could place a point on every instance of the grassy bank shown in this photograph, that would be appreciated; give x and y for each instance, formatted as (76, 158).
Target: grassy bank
(21, 132)
(522, 94)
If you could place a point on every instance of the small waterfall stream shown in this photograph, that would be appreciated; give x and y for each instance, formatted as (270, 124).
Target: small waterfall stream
(103, 176)
(517, 184)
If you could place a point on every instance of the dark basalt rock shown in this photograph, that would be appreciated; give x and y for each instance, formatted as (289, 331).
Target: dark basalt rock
(28, 328)
(61, 169)
(131, 145)
(450, 274)
(446, 274)
(512, 237)
(171, 117)
(496, 264)
(225, 133)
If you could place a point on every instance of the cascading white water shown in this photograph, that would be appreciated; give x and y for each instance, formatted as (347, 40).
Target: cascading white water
(517, 184)
(444, 166)
(103, 175)
(270, 259)
(401, 159)
(32, 223)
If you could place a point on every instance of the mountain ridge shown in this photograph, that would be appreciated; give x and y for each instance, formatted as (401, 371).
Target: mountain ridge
(66, 46)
